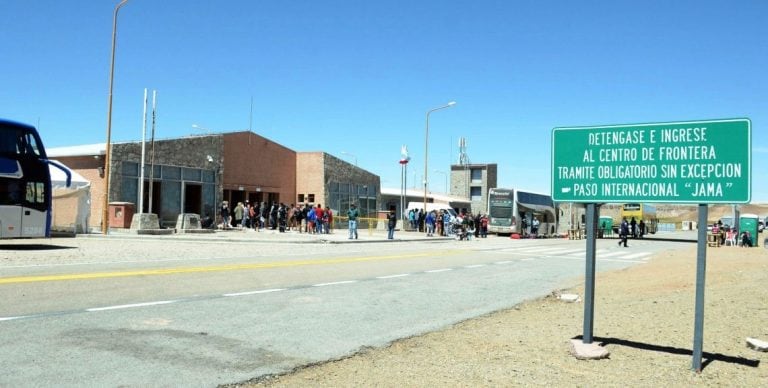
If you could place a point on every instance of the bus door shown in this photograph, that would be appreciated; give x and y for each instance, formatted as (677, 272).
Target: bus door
(11, 198)
(34, 210)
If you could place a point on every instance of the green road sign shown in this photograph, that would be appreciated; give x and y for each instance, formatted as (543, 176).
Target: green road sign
(684, 162)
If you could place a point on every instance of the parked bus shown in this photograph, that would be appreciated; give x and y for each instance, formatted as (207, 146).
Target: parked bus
(640, 211)
(25, 182)
(511, 211)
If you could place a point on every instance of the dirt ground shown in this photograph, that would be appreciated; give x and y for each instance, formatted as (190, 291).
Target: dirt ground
(644, 316)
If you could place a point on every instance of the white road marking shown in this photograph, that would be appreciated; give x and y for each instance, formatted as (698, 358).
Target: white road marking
(439, 270)
(637, 255)
(256, 292)
(474, 266)
(393, 276)
(334, 283)
(504, 262)
(611, 254)
(12, 318)
(583, 252)
(128, 306)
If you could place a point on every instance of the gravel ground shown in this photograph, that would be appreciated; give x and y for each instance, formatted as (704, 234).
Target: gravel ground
(643, 315)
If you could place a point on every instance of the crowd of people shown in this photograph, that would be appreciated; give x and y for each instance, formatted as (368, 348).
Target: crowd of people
(316, 219)
(277, 216)
(442, 223)
(730, 233)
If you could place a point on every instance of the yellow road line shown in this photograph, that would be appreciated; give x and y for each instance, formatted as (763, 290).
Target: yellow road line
(217, 268)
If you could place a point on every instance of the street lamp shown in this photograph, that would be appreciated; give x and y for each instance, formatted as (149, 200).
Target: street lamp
(446, 179)
(350, 154)
(426, 149)
(199, 128)
(107, 153)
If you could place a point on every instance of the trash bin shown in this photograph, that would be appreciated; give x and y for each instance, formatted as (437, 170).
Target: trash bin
(748, 223)
(120, 214)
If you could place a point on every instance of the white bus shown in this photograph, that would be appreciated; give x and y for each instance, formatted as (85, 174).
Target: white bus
(25, 183)
(511, 211)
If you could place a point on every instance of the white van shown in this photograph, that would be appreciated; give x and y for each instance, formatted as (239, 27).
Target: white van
(431, 206)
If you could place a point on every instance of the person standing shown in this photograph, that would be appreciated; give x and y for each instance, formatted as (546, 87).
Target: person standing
(352, 215)
(305, 216)
(391, 223)
(484, 226)
(430, 220)
(273, 215)
(224, 211)
(239, 215)
(328, 219)
(247, 215)
(534, 227)
(319, 218)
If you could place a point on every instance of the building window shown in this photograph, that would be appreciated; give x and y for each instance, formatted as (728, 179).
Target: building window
(301, 198)
(477, 174)
(476, 193)
(311, 198)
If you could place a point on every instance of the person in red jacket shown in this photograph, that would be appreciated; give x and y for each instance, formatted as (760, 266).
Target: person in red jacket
(328, 219)
(319, 218)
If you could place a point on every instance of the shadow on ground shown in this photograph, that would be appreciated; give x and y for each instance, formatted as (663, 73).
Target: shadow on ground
(31, 247)
(708, 358)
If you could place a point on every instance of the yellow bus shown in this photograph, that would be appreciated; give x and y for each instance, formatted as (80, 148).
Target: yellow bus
(640, 211)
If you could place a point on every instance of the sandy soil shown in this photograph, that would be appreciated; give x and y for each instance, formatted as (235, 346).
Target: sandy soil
(643, 315)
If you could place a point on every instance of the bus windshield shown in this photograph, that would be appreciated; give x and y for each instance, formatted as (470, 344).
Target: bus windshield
(20, 141)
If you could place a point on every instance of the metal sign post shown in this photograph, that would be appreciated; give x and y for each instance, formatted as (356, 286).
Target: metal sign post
(589, 287)
(701, 272)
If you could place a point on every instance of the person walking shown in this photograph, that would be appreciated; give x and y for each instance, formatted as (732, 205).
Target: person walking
(623, 232)
(352, 215)
(391, 223)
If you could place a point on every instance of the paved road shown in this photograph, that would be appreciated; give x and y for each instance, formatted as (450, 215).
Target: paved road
(208, 310)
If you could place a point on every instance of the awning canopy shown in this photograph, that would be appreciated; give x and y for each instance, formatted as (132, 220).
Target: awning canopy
(537, 208)
(59, 178)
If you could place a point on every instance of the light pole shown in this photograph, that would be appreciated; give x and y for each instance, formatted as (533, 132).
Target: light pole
(404, 159)
(210, 160)
(350, 154)
(107, 153)
(446, 179)
(426, 149)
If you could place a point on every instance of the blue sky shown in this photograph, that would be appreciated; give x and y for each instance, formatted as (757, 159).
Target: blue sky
(355, 78)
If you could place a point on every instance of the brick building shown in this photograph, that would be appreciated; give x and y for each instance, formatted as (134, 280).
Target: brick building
(195, 174)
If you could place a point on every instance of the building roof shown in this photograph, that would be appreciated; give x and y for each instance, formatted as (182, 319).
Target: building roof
(78, 150)
(442, 198)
